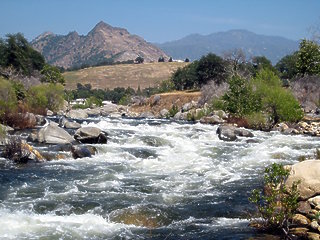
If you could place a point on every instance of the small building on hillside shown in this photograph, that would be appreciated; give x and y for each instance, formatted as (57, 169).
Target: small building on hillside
(79, 101)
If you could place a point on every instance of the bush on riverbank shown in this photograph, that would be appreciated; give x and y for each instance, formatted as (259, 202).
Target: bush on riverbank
(263, 93)
(276, 204)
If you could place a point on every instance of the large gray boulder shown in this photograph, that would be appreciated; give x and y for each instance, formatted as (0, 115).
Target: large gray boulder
(90, 135)
(243, 132)
(93, 112)
(308, 173)
(78, 114)
(53, 134)
(108, 109)
(72, 125)
(226, 133)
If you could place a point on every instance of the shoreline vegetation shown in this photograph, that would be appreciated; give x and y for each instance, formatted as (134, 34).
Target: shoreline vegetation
(236, 94)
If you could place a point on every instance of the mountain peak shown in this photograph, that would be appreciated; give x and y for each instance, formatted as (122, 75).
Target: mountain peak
(103, 43)
(103, 25)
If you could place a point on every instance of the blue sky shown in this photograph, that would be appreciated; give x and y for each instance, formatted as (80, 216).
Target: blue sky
(160, 20)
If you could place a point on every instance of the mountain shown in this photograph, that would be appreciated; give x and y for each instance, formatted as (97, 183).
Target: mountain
(103, 43)
(194, 46)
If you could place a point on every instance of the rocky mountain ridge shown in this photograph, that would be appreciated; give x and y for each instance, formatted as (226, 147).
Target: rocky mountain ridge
(103, 43)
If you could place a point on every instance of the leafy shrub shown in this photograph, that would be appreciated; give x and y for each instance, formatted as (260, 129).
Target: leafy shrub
(279, 102)
(277, 204)
(8, 99)
(51, 74)
(166, 86)
(173, 111)
(258, 121)
(46, 96)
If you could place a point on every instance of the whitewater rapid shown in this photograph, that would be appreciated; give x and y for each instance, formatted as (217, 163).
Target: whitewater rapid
(178, 179)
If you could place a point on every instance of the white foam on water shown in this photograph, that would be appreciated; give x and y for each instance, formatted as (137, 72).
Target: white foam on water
(28, 225)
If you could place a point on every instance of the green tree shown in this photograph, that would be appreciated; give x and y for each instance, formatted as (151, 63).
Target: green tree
(170, 59)
(211, 67)
(139, 59)
(161, 59)
(240, 99)
(17, 52)
(287, 66)
(51, 74)
(308, 58)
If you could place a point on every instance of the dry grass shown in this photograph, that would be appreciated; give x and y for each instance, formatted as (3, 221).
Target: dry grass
(167, 100)
(123, 75)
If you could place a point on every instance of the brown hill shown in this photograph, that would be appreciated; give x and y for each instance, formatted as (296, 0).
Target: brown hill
(103, 43)
(122, 75)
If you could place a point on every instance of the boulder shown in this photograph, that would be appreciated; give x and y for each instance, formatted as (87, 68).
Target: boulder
(108, 108)
(300, 220)
(211, 120)
(82, 151)
(226, 133)
(243, 132)
(94, 112)
(49, 113)
(72, 125)
(308, 173)
(281, 127)
(300, 231)
(41, 120)
(221, 114)
(181, 116)
(313, 236)
(52, 134)
(164, 113)
(147, 115)
(29, 119)
(186, 107)
(304, 207)
(78, 114)
(156, 99)
(315, 201)
(7, 129)
(90, 135)
(62, 121)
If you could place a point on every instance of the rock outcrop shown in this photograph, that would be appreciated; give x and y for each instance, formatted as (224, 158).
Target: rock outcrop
(90, 135)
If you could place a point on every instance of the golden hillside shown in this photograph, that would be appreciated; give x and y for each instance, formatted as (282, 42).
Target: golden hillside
(122, 75)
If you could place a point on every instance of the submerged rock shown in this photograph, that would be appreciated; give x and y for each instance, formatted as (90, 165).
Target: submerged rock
(82, 151)
(90, 135)
(230, 133)
(226, 133)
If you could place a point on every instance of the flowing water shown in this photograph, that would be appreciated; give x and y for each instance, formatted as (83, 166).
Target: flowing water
(155, 179)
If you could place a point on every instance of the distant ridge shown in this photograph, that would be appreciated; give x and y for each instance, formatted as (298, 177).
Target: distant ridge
(102, 43)
(195, 45)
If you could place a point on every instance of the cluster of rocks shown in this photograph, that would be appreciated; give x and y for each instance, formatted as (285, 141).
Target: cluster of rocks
(312, 128)
(306, 221)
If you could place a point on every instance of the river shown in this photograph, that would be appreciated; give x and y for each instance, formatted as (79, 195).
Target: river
(176, 178)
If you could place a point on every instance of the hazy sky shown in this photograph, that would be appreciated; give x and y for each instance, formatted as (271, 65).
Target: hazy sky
(160, 20)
